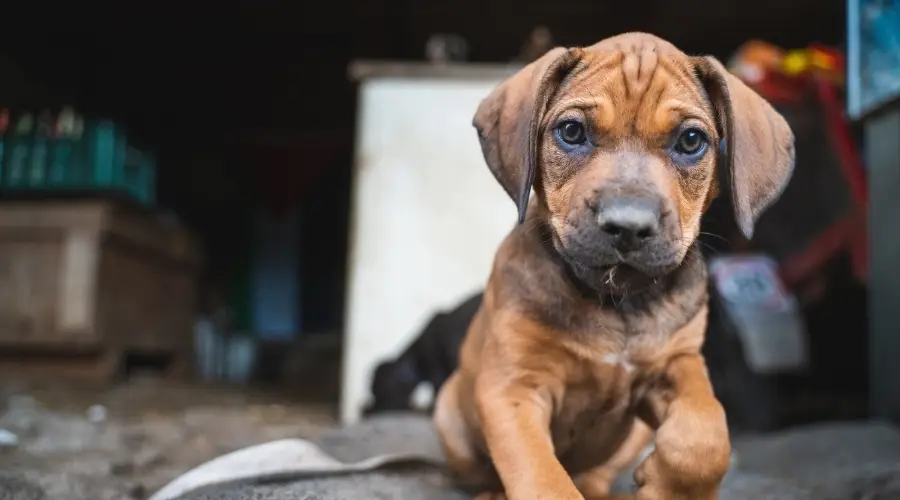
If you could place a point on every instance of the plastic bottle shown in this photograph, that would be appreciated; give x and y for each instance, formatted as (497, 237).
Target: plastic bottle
(59, 172)
(40, 149)
(19, 151)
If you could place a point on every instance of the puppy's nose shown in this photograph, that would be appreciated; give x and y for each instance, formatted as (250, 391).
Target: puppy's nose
(629, 223)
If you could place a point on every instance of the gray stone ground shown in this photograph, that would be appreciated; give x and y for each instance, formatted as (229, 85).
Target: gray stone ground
(126, 452)
(853, 461)
(126, 443)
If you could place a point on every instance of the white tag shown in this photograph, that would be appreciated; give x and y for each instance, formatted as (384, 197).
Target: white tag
(765, 315)
(750, 281)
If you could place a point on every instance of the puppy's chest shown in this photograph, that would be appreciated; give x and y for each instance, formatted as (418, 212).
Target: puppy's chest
(603, 388)
(611, 371)
(598, 405)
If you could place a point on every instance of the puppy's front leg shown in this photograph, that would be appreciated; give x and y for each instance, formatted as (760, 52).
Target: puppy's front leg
(515, 418)
(692, 445)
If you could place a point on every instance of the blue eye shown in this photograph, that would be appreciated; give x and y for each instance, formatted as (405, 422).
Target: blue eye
(571, 133)
(691, 142)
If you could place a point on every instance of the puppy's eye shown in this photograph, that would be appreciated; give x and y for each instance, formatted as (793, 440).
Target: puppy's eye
(691, 142)
(571, 132)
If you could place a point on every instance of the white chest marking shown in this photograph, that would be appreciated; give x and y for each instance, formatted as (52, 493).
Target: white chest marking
(620, 360)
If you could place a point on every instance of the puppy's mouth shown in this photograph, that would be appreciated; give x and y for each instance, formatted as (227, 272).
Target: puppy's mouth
(632, 268)
(627, 265)
(619, 274)
(609, 271)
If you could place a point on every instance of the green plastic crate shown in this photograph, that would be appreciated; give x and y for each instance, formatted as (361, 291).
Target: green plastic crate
(93, 157)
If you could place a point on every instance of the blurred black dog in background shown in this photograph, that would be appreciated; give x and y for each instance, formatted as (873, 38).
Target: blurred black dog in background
(431, 358)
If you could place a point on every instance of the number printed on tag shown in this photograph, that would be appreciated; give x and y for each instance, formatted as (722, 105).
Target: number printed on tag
(749, 280)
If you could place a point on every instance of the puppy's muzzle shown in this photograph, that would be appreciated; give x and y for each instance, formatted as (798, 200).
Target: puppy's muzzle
(628, 224)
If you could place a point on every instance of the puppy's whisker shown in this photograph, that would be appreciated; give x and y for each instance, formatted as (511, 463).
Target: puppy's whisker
(686, 244)
(533, 222)
(533, 227)
(711, 248)
(714, 235)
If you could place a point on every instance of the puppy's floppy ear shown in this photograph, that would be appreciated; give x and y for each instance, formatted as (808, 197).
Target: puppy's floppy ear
(508, 122)
(758, 143)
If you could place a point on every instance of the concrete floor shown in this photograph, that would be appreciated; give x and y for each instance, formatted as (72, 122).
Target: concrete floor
(128, 442)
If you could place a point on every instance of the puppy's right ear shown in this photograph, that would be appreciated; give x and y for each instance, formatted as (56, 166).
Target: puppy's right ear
(509, 121)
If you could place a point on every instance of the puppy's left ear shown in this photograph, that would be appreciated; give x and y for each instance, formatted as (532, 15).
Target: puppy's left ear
(509, 122)
(759, 144)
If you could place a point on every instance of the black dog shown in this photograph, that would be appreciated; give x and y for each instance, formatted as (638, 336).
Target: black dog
(431, 358)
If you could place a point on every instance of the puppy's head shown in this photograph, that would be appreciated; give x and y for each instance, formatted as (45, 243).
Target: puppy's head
(624, 143)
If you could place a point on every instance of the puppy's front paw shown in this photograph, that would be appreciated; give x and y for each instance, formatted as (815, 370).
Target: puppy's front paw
(650, 483)
(656, 480)
(691, 456)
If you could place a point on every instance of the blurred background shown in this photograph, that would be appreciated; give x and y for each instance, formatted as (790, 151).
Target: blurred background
(217, 221)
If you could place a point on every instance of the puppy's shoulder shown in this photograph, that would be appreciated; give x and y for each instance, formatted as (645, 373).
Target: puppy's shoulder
(528, 279)
(520, 265)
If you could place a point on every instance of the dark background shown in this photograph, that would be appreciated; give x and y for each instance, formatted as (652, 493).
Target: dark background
(234, 96)
(221, 72)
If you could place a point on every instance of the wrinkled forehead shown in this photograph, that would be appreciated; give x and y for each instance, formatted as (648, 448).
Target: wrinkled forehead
(645, 91)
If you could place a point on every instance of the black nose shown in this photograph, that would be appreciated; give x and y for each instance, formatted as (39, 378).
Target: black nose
(629, 223)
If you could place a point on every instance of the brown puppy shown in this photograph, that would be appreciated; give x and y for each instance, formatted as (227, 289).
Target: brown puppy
(588, 340)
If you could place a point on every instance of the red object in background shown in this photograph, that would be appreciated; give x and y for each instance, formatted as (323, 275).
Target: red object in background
(786, 78)
(849, 234)
(779, 88)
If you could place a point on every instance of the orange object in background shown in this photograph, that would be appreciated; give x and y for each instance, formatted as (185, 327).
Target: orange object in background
(761, 66)
(816, 59)
(754, 60)
(781, 75)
